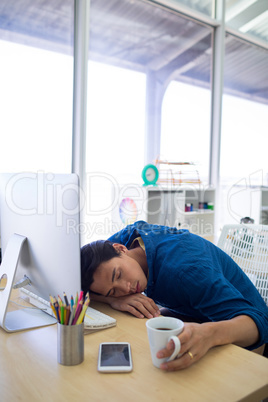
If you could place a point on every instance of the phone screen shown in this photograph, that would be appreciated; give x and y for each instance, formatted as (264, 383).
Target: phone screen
(115, 357)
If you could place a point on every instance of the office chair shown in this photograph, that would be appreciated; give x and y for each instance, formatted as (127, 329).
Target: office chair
(248, 246)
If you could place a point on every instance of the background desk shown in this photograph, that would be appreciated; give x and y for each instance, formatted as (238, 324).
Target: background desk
(29, 370)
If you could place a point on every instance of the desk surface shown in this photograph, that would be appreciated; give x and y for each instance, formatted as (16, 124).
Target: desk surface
(29, 370)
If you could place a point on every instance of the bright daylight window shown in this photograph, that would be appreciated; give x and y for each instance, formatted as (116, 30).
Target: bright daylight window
(115, 123)
(158, 43)
(244, 137)
(244, 140)
(36, 109)
(186, 126)
(36, 81)
(243, 158)
(115, 140)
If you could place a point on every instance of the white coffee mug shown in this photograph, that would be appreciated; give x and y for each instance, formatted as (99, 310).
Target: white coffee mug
(160, 331)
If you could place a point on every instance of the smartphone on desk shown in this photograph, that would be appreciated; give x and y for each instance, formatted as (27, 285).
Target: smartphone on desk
(115, 357)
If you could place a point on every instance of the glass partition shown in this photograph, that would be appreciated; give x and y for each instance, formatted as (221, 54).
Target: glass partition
(142, 40)
(184, 138)
(36, 81)
(244, 140)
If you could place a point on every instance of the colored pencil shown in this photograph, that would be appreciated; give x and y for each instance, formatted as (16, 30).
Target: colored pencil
(71, 317)
(72, 301)
(78, 311)
(68, 312)
(66, 299)
(81, 296)
(83, 312)
(72, 313)
(62, 314)
(56, 305)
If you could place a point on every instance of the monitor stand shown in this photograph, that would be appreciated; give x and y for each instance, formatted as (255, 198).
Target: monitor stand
(24, 318)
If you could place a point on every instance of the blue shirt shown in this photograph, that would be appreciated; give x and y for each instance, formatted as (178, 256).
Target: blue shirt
(193, 277)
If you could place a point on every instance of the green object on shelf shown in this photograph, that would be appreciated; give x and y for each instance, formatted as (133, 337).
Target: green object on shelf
(150, 175)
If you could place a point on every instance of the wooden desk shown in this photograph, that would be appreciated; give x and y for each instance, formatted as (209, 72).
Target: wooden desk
(29, 370)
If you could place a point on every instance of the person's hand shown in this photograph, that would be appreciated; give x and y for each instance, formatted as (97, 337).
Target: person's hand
(197, 339)
(137, 304)
(195, 342)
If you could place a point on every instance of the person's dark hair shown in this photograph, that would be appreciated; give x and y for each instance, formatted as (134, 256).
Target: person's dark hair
(92, 255)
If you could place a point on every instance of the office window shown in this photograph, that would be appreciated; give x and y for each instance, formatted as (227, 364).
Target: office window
(116, 111)
(244, 140)
(36, 78)
(244, 165)
(131, 42)
(115, 140)
(185, 133)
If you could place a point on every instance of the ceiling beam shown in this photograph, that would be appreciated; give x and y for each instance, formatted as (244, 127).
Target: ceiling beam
(248, 14)
(181, 44)
(236, 9)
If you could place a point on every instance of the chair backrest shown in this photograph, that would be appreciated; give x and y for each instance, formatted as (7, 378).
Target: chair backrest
(248, 246)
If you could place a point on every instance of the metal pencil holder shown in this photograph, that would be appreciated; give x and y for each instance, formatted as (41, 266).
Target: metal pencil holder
(70, 339)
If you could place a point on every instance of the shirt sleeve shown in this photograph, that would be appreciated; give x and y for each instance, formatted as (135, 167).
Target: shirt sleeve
(209, 293)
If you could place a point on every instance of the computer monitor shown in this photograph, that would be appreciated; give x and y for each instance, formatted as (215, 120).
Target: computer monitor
(39, 228)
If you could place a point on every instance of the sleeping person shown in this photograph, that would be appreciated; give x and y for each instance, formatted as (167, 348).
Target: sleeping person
(143, 266)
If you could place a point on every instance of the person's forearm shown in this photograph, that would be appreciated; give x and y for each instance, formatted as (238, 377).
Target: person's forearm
(241, 331)
(136, 304)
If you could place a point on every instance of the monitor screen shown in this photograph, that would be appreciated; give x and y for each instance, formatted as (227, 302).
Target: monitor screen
(39, 223)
